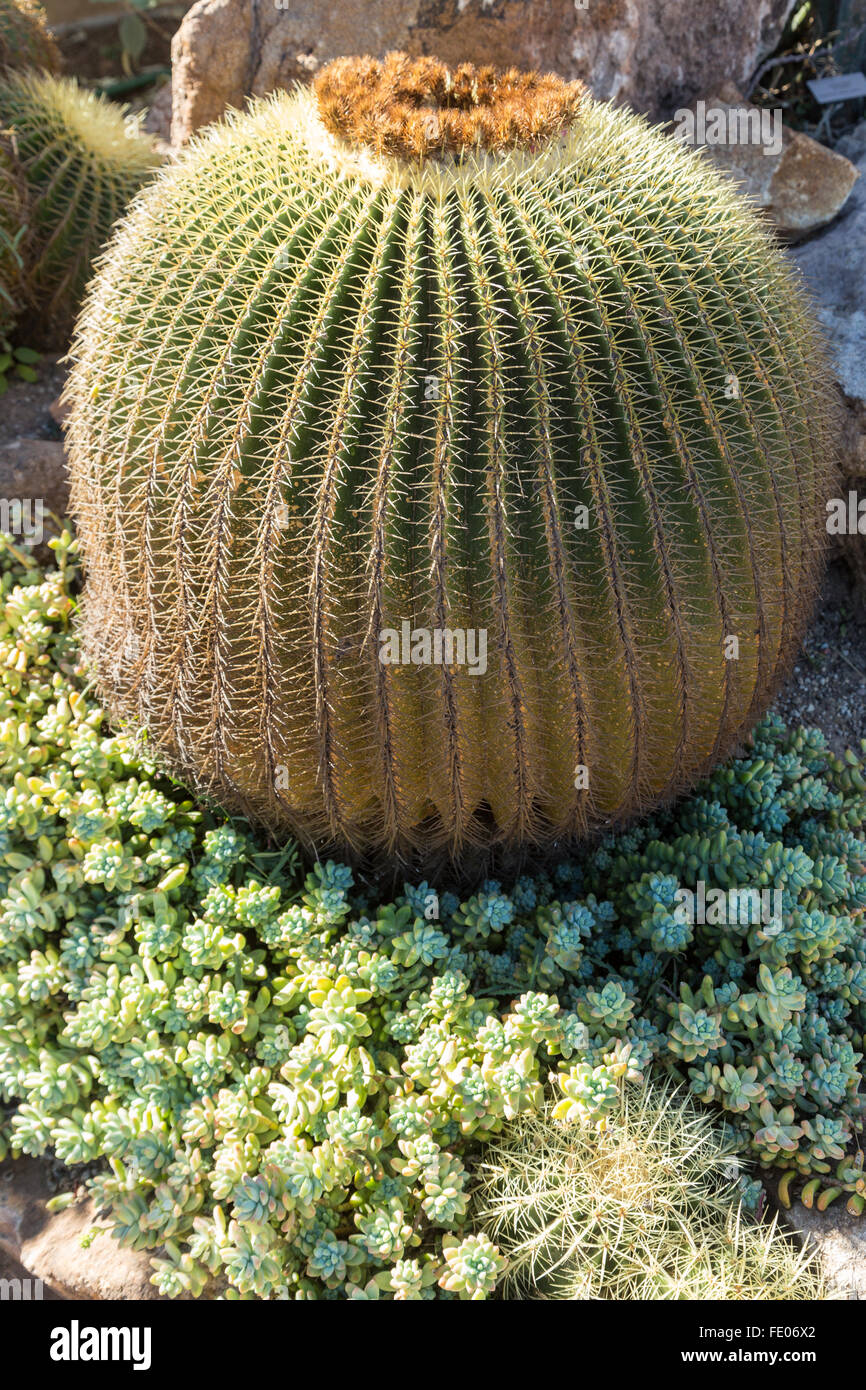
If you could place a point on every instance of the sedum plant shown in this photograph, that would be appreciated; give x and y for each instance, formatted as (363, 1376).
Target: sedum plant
(25, 39)
(462, 358)
(80, 162)
(283, 1087)
(643, 1211)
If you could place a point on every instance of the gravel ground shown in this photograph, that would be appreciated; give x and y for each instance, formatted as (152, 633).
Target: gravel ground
(827, 687)
(25, 408)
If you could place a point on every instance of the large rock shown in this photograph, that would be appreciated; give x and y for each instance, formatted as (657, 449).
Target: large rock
(793, 180)
(833, 263)
(49, 1245)
(34, 492)
(654, 56)
(29, 1289)
(35, 469)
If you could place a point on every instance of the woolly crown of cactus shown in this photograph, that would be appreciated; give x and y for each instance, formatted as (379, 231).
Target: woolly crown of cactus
(25, 40)
(474, 496)
(80, 161)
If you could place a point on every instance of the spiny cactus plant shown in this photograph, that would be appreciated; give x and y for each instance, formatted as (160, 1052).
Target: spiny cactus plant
(471, 495)
(81, 162)
(644, 1210)
(25, 40)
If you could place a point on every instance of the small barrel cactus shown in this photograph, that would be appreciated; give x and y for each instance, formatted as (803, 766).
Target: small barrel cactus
(449, 455)
(25, 40)
(80, 162)
(648, 1209)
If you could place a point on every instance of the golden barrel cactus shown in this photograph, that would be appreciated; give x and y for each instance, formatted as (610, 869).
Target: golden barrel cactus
(449, 455)
(25, 39)
(79, 160)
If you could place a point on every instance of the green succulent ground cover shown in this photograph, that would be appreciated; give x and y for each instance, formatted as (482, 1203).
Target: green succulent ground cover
(290, 1082)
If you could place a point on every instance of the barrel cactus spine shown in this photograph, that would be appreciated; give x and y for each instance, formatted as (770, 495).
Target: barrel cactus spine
(25, 39)
(534, 373)
(80, 161)
(647, 1208)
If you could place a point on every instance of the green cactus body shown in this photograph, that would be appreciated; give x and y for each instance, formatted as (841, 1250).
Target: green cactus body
(25, 40)
(566, 396)
(81, 163)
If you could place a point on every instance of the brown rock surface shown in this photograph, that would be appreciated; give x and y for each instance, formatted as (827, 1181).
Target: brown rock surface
(11, 1270)
(833, 264)
(35, 468)
(651, 55)
(797, 182)
(49, 1245)
(34, 490)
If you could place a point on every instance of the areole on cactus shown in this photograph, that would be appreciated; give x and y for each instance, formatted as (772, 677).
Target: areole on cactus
(419, 365)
